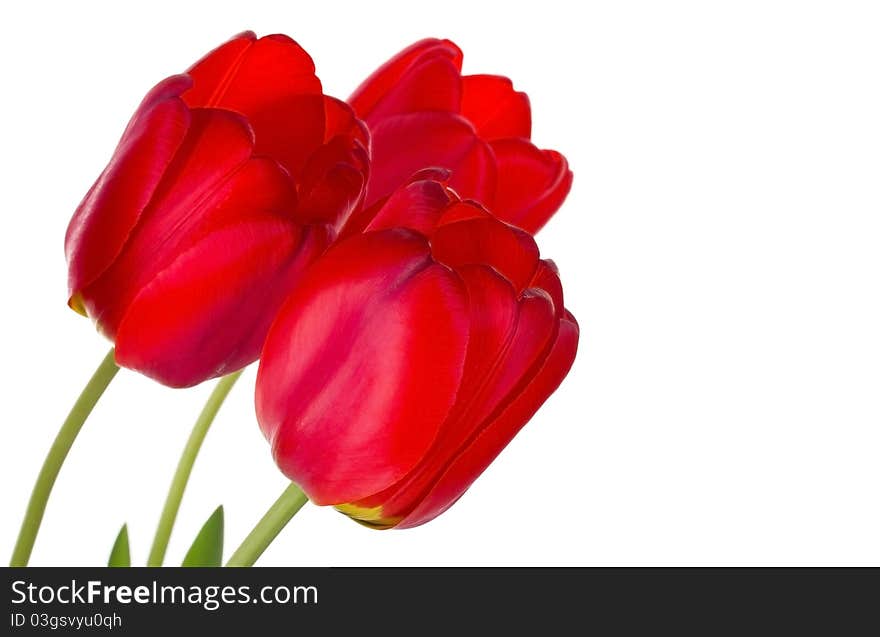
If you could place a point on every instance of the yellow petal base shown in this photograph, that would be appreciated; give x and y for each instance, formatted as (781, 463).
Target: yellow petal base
(371, 517)
(76, 304)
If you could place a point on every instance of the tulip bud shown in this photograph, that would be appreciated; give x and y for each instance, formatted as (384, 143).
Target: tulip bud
(422, 113)
(407, 357)
(227, 182)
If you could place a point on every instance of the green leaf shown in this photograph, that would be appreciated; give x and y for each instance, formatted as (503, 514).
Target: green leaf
(207, 548)
(120, 555)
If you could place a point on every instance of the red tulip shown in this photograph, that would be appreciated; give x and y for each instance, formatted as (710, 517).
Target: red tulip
(228, 180)
(423, 113)
(407, 357)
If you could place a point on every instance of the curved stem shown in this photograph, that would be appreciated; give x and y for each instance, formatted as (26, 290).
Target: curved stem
(185, 466)
(269, 526)
(55, 458)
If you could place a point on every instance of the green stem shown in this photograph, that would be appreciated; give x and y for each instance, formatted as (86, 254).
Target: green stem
(55, 458)
(185, 466)
(269, 526)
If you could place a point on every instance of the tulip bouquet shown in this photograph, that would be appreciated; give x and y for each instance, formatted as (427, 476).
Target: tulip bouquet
(376, 256)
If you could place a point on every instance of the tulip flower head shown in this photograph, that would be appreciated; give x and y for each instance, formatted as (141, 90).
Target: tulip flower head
(408, 356)
(422, 113)
(227, 182)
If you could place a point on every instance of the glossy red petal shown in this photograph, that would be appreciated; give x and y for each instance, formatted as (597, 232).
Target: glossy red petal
(290, 130)
(494, 108)
(431, 84)
(546, 279)
(333, 183)
(171, 88)
(418, 206)
(406, 144)
(506, 358)
(485, 241)
(532, 183)
(493, 315)
(388, 77)
(475, 458)
(510, 340)
(206, 315)
(340, 119)
(363, 217)
(272, 82)
(346, 413)
(214, 70)
(103, 221)
(246, 73)
(198, 181)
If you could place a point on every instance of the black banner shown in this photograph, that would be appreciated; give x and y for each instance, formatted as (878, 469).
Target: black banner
(413, 601)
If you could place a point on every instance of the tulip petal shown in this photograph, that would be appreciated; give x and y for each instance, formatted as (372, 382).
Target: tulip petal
(202, 174)
(483, 240)
(405, 144)
(272, 82)
(332, 183)
(546, 279)
(494, 108)
(389, 76)
(214, 70)
(431, 84)
(247, 72)
(509, 342)
(346, 414)
(493, 315)
(103, 221)
(493, 318)
(171, 88)
(506, 358)
(532, 183)
(363, 217)
(417, 206)
(475, 458)
(334, 179)
(206, 315)
(339, 119)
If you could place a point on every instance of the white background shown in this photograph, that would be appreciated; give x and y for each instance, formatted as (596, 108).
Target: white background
(720, 249)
